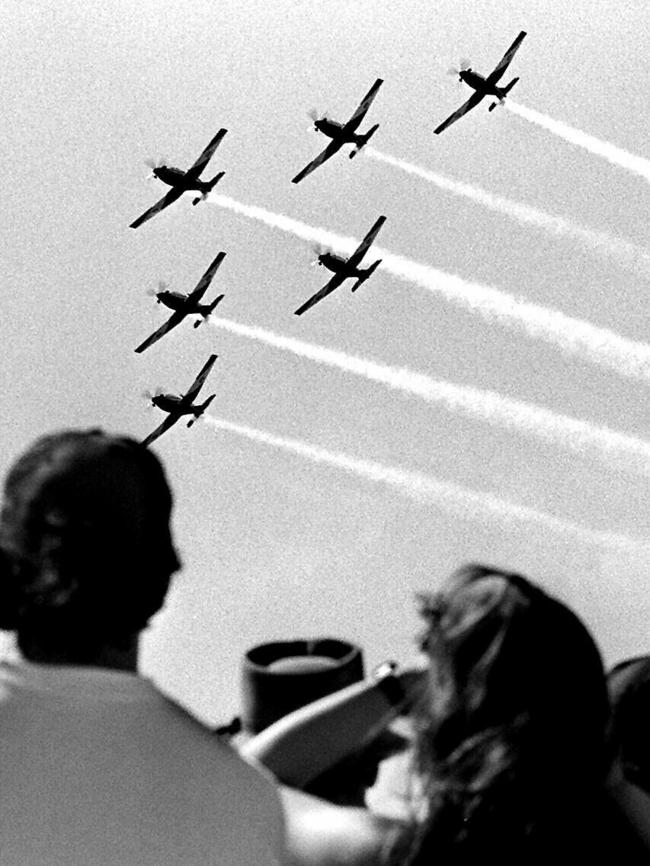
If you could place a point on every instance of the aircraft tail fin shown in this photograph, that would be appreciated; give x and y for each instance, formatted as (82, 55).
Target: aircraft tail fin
(207, 310)
(208, 187)
(214, 303)
(197, 411)
(362, 140)
(367, 273)
(215, 180)
(201, 409)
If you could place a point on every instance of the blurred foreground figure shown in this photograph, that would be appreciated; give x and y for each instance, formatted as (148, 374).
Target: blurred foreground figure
(96, 765)
(508, 762)
(629, 689)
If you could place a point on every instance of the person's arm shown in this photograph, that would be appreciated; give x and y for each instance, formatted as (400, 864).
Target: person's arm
(321, 834)
(302, 745)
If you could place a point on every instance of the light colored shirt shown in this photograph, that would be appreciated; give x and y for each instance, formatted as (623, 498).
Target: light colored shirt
(98, 768)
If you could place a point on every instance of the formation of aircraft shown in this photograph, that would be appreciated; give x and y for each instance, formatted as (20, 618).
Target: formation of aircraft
(343, 133)
(344, 269)
(184, 181)
(185, 305)
(177, 406)
(485, 86)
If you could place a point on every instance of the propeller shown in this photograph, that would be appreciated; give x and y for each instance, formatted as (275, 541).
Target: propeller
(155, 163)
(162, 285)
(316, 115)
(463, 66)
(318, 250)
(149, 395)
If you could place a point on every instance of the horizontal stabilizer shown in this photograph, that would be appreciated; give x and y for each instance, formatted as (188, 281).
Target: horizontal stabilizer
(204, 406)
(216, 301)
(369, 134)
(362, 140)
(509, 87)
(215, 180)
(367, 273)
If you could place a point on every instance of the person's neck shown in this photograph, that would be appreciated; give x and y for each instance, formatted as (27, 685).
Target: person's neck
(122, 658)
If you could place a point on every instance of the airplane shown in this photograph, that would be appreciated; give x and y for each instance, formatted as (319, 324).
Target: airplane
(345, 268)
(178, 406)
(342, 133)
(182, 181)
(485, 86)
(185, 305)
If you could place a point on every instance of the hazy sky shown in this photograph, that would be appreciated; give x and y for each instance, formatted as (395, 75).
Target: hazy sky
(276, 544)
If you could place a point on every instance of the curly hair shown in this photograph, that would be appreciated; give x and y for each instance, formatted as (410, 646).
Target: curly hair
(84, 532)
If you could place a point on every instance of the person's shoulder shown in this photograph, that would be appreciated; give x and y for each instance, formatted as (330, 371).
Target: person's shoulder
(320, 833)
(218, 774)
(195, 734)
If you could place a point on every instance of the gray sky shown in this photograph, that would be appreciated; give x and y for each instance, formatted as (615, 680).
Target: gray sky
(275, 545)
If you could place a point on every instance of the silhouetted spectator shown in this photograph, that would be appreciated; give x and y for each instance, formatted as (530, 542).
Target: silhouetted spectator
(509, 762)
(96, 765)
(629, 689)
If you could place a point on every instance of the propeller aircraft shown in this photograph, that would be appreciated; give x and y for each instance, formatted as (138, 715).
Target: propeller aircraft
(184, 181)
(185, 305)
(342, 133)
(484, 86)
(177, 406)
(344, 269)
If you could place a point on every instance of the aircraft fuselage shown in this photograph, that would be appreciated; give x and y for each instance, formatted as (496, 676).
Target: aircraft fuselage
(177, 301)
(478, 83)
(335, 130)
(173, 300)
(177, 177)
(171, 403)
(328, 127)
(338, 265)
(177, 406)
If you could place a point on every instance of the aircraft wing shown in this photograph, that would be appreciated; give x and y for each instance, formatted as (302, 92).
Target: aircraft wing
(329, 151)
(327, 289)
(197, 384)
(195, 296)
(503, 64)
(196, 169)
(174, 193)
(175, 319)
(474, 100)
(169, 421)
(366, 102)
(362, 249)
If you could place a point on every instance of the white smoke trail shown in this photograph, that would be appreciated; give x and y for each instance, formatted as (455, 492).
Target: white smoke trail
(624, 253)
(616, 155)
(575, 337)
(609, 447)
(451, 498)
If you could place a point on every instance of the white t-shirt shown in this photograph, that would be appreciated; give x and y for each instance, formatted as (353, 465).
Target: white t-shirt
(98, 768)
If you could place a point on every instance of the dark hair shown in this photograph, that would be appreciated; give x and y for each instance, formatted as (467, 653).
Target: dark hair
(511, 730)
(84, 530)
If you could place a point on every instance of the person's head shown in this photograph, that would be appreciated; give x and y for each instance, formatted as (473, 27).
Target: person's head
(516, 709)
(629, 690)
(86, 541)
(504, 653)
